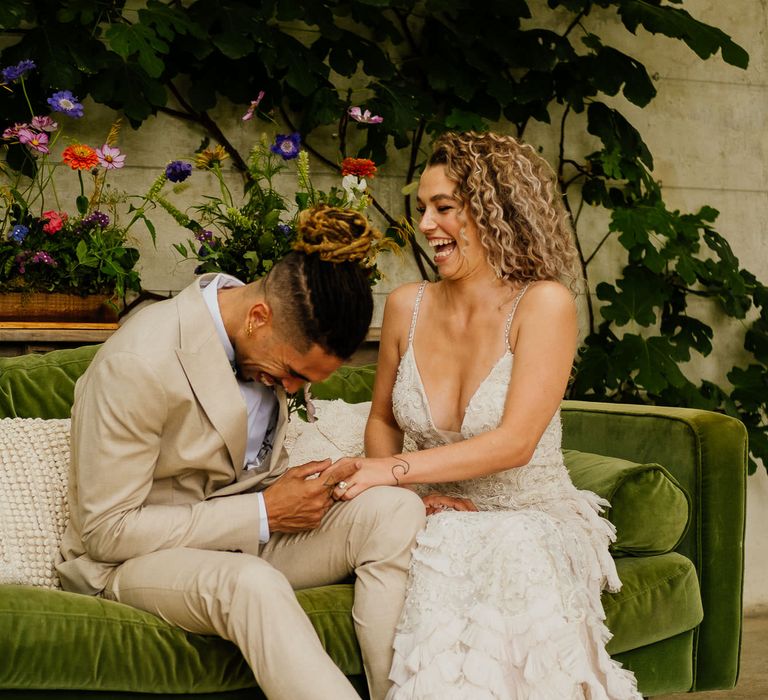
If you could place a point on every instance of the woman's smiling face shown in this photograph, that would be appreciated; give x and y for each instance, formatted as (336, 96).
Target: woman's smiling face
(447, 224)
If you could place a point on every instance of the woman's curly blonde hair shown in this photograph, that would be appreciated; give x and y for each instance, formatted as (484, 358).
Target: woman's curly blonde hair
(337, 235)
(514, 201)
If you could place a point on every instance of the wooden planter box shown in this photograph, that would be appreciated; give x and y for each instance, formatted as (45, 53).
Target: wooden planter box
(52, 306)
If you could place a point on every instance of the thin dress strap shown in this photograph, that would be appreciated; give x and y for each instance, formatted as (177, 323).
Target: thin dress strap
(511, 316)
(416, 304)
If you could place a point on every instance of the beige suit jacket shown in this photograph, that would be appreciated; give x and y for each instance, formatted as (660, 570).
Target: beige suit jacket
(158, 447)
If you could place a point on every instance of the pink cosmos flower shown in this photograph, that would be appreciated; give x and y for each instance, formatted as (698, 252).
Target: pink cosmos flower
(34, 139)
(110, 158)
(44, 124)
(12, 132)
(55, 221)
(254, 104)
(364, 117)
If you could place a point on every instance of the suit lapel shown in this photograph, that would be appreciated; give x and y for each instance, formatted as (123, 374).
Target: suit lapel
(210, 374)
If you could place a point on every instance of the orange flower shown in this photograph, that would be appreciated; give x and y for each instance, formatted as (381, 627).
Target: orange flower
(360, 167)
(80, 157)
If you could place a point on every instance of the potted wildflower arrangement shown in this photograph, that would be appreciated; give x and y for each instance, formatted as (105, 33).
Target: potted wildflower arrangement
(245, 236)
(55, 263)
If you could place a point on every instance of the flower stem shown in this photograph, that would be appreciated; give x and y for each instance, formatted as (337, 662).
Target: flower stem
(26, 96)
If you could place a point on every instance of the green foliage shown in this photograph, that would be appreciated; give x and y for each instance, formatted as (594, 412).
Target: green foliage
(245, 237)
(427, 66)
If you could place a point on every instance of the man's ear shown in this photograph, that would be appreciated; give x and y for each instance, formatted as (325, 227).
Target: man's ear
(260, 315)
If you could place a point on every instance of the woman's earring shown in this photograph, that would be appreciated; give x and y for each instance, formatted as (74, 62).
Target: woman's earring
(250, 329)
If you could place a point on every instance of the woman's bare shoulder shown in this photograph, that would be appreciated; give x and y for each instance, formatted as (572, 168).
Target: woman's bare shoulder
(549, 294)
(400, 301)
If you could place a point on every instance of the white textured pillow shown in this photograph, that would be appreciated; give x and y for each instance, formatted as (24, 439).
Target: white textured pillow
(34, 466)
(337, 432)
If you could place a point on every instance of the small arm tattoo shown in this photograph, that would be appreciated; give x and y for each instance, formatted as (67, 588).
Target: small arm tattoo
(404, 466)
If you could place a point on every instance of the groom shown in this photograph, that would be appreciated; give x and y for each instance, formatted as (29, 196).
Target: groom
(179, 497)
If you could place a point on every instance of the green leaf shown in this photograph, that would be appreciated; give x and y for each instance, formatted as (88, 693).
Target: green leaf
(151, 228)
(461, 120)
(756, 340)
(82, 250)
(342, 60)
(617, 133)
(673, 22)
(653, 360)
(82, 204)
(233, 45)
(129, 39)
(169, 21)
(638, 296)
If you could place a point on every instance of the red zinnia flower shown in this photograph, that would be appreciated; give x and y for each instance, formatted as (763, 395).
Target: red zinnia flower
(361, 167)
(54, 221)
(80, 157)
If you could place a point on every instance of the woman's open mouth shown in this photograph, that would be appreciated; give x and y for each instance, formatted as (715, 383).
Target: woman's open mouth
(443, 247)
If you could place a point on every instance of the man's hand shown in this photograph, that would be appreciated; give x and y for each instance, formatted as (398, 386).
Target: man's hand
(295, 502)
(437, 503)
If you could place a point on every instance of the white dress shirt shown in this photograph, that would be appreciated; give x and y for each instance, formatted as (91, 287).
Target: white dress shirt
(260, 401)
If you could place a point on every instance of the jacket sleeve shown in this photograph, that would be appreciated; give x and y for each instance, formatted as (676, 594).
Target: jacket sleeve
(118, 422)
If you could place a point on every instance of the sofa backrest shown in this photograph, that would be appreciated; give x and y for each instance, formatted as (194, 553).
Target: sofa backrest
(42, 386)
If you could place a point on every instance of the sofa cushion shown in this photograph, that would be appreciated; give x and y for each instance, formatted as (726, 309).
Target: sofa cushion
(58, 640)
(63, 640)
(338, 431)
(649, 508)
(34, 466)
(352, 384)
(659, 598)
(42, 386)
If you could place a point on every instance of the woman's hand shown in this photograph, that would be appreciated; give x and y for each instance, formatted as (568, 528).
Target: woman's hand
(372, 471)
(437, 503)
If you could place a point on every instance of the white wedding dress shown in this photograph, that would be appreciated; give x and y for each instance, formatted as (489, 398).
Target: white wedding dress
(504, 603)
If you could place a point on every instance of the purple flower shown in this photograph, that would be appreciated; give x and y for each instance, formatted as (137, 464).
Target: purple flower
(284, 229)
(42, 257)
(287, 147)
(99, 218)
(254, 104)
(64, 101)
(21, 260)
(18, 233)
(364, 117)
(12, 73)
(178, 170)
(204, 236)
(44, 124)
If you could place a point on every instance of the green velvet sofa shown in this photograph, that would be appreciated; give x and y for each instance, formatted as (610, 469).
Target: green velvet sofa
(676, 621)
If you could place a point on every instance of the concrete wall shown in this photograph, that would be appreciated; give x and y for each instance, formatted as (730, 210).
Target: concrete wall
(708, 132)
(706, 129)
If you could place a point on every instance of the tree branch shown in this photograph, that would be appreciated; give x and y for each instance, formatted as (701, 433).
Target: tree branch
(204, 119)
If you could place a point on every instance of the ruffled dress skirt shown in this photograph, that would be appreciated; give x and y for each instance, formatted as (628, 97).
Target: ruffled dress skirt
(505, 605)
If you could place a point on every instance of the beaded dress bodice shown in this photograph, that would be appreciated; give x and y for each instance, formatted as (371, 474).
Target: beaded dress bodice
(543, 478)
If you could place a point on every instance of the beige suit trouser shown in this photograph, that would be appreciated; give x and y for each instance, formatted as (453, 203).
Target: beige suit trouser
(249, 600)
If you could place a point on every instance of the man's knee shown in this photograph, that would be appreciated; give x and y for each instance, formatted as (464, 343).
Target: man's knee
(253, 581)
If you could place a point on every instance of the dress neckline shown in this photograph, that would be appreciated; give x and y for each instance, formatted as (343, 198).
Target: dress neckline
(425, 396)
(423, 389)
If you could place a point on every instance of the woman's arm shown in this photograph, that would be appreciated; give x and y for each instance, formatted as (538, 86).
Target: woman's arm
(383, 437)
(544, 337)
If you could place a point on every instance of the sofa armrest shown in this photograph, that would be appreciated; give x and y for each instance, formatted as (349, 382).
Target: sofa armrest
(707, 454)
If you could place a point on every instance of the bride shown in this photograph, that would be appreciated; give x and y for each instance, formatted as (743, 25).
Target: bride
(504, 589)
